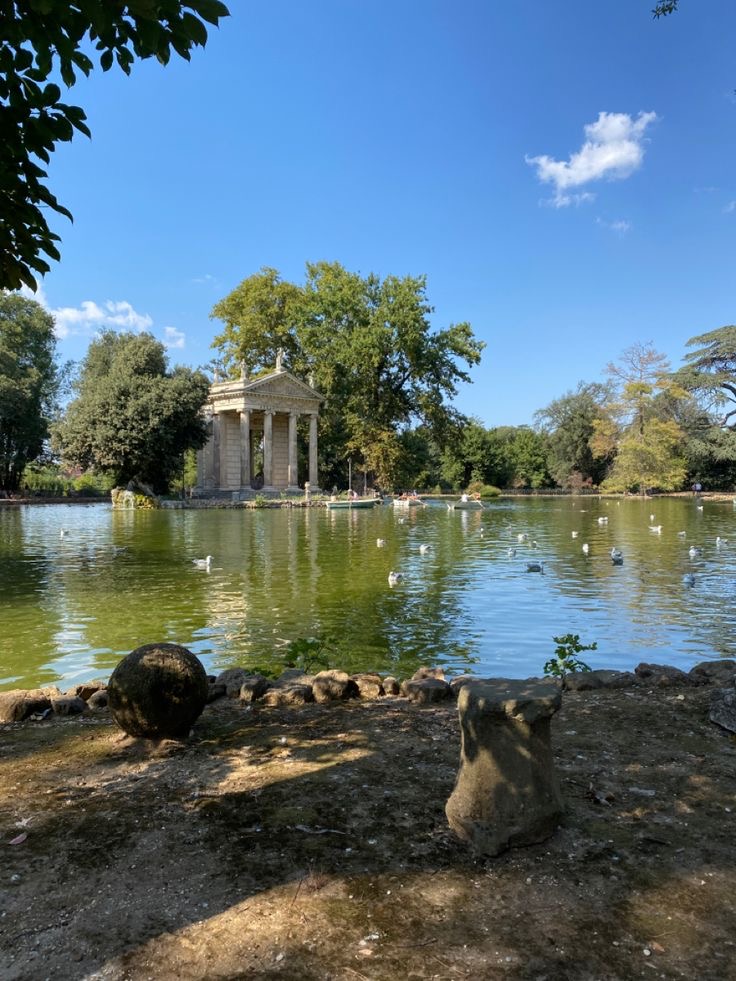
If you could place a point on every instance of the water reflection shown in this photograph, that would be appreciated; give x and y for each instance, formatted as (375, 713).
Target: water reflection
(73, 605)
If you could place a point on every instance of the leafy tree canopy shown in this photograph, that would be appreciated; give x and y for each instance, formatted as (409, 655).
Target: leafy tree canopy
(28, 384)
(639, 429)
(369, 346)
(569, 422)
(42, 41)
(710, 372)
(133, 418)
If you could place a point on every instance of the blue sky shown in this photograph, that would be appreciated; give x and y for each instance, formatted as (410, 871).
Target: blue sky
(561, 170)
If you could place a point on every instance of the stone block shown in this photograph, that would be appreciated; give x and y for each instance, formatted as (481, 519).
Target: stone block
(664, 676)
(282, 695)
(67, 705)
(507, 792)
(721, 671)
(425, 672)
(590, 680)
(426, 690)
(17, 705)
(369, 685)
(723, 708)
(254, 686)
(330, 686)
(391, 685)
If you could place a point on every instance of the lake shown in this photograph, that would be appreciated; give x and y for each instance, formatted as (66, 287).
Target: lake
(73, 605)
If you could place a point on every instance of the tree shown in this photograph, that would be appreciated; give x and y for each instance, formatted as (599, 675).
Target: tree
(368, 344)
(39, 39)
(260, 316)
(638, 428)
(29, 382)
(710, 373)
(469, 457)
(528, 452)
(133, 418)
(569, 423)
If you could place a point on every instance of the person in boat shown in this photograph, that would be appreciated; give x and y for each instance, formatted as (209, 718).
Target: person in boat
(352, 494)
(464, 498)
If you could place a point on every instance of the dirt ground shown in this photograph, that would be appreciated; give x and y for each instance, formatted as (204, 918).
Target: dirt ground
(312, 844)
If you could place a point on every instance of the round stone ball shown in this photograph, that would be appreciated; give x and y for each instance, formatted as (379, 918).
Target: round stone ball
(158, 691)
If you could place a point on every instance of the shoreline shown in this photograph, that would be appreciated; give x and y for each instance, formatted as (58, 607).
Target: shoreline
(310, 843)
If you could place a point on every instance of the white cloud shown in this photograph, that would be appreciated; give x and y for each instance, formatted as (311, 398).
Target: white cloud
(206, 279)
(730, 207)
(112, 313)
(90, 316)
(173, 337)
(620, 226)
(613, 150)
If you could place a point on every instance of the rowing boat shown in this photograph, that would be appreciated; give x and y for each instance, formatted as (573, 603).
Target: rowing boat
(360, 502)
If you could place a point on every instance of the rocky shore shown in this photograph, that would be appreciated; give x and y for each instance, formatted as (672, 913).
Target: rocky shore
(309, 841)
(427, 685)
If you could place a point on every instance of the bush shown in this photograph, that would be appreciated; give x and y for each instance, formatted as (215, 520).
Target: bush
(93, 485)
(485, 490)
(41, 480)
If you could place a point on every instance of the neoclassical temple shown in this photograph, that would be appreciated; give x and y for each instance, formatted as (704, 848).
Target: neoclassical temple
(253, 434)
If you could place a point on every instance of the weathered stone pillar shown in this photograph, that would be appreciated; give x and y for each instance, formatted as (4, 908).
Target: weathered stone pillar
(507, 791)
(268, 449)
(313, 475)
(201, 474)
(293, 475)
(245, 448)
(216, 445)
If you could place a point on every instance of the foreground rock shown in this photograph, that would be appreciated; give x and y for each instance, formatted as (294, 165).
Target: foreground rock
(507, 792)
(158, 691)
(15, 706)
(723, 708)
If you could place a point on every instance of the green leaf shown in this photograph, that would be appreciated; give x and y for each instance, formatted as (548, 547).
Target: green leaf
(194, 29)
(51, 94)
(210, 10)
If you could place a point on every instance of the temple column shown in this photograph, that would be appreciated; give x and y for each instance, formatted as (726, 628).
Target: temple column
(313, 475)
(293, 475)
(268, 449)
(216, 446)
(245, 448)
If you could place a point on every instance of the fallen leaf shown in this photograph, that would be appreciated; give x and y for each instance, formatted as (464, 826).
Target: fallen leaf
(19, 839)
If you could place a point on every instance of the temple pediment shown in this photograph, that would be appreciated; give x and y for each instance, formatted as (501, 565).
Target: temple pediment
(281, 384)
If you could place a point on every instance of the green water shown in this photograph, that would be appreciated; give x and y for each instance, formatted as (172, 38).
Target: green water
(72, 606)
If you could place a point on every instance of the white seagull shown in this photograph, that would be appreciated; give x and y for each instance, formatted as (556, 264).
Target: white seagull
(694, 552)
(423, 549)
(586, 548)
(617, 556)
(657, 529)
(203, 563)
(380, 542)
(394, 577)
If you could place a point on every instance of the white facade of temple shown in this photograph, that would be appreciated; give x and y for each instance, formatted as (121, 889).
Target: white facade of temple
(257, 418)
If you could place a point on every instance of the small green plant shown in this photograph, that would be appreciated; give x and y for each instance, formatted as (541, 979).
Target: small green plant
(260, 501)
(566, 660)
(307, 653)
